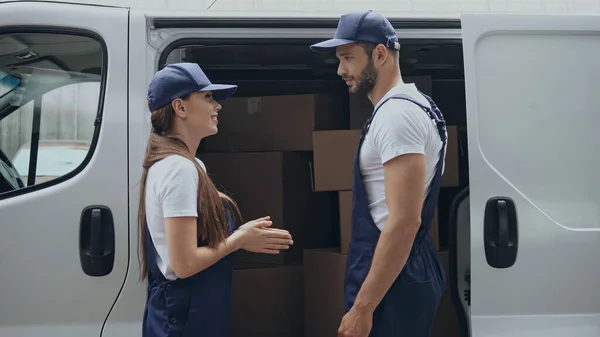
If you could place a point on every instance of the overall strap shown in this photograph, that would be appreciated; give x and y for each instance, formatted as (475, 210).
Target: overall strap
(436, 116)
(433, 113)
(431, 198)
(152, 271)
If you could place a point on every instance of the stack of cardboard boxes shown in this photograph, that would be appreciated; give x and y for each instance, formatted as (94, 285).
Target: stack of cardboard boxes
(291, 157)
(262, 158)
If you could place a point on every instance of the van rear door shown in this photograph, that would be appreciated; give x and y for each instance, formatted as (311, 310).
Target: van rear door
(63, 152)
(532, 91)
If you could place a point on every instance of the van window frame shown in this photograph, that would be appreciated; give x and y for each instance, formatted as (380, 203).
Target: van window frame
(12, 29)
(190, 41)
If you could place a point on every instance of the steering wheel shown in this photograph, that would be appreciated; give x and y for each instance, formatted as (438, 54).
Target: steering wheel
(10, 179)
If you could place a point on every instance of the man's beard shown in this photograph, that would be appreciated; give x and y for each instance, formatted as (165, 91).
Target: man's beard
(366, 80)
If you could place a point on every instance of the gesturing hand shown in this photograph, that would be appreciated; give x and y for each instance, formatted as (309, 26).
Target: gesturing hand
(256, 236)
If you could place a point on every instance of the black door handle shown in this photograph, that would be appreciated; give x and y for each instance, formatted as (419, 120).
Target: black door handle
(501, 238)
(502, 211)
(97, 241)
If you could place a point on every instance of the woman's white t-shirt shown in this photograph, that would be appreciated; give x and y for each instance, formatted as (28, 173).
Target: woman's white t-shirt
(171, 191)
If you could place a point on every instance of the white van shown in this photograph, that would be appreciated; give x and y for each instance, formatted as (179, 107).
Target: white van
(526, 266)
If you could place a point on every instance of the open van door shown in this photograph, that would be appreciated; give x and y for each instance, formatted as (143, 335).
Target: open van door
(63, 166)
(532, 86)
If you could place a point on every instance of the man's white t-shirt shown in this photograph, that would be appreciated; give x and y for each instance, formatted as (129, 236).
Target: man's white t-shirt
(399, 127)
(171, 191)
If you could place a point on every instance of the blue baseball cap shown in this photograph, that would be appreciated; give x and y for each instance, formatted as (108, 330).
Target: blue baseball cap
(179, 79)
(361, 27)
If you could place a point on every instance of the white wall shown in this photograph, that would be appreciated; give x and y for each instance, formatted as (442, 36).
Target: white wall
(413, 6)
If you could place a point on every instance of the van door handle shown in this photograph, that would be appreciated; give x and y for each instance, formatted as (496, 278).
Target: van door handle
(96, 241)
(501, 239)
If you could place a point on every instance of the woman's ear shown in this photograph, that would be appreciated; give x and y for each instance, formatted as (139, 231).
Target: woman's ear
(179, 107)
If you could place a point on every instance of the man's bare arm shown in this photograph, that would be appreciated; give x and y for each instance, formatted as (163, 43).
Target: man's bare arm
(404, 178)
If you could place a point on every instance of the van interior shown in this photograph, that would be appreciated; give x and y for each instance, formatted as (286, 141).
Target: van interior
(285, 148)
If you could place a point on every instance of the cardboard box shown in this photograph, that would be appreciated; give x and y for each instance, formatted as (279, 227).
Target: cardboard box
(323, 292)
(345, 209)
(271, 123)
(277, 184)
(334, 159)
(446, 320)
(361, 108)
(345, 205)
(450, 176)
(268, 302)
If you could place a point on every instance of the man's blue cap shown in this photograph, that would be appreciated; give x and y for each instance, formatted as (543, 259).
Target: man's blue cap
(179, 79)
(361, 27)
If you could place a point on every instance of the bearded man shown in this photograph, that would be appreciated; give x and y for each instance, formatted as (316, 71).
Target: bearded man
(394, 279)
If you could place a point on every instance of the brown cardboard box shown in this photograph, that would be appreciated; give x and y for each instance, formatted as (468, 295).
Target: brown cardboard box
(277, 184)
(268, 302)
(271, 123)
(450, 177)
(334, 159)
(323, 292)
(345, 202)
(446, 320)
(361, 108)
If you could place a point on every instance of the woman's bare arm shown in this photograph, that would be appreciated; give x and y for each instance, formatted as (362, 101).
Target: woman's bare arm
(185, 257)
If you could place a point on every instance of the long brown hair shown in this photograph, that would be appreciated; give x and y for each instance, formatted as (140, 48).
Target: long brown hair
(212, 222)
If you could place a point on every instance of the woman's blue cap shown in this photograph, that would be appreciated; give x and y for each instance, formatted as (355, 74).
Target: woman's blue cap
(179, 79)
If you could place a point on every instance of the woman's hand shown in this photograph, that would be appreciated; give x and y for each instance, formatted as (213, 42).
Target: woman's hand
(256, 236)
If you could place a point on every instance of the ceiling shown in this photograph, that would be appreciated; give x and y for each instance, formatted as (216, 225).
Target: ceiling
(66, 54)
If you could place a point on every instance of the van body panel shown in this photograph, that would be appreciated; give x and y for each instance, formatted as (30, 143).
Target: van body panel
(531, 87)
(44, 289)
(125, 319)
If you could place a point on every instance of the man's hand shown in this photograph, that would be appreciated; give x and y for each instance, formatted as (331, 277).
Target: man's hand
(356, 323)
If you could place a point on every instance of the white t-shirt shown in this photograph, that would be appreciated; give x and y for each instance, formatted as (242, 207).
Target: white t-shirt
(171, 191)
(399, 127)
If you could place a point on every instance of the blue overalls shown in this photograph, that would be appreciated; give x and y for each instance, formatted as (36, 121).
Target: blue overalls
(410, 305)
(198, 306)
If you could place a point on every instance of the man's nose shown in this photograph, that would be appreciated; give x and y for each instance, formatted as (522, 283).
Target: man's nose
(341, 70)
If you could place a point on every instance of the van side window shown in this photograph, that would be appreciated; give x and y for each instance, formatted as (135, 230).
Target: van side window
(50, 92)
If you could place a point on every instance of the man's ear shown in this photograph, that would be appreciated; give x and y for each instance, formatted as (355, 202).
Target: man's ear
(380, 54)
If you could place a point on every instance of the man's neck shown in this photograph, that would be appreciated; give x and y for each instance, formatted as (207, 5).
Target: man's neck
(383, 86)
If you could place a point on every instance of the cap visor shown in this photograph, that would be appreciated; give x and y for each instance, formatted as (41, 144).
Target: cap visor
(329, 44)
(221, 91)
